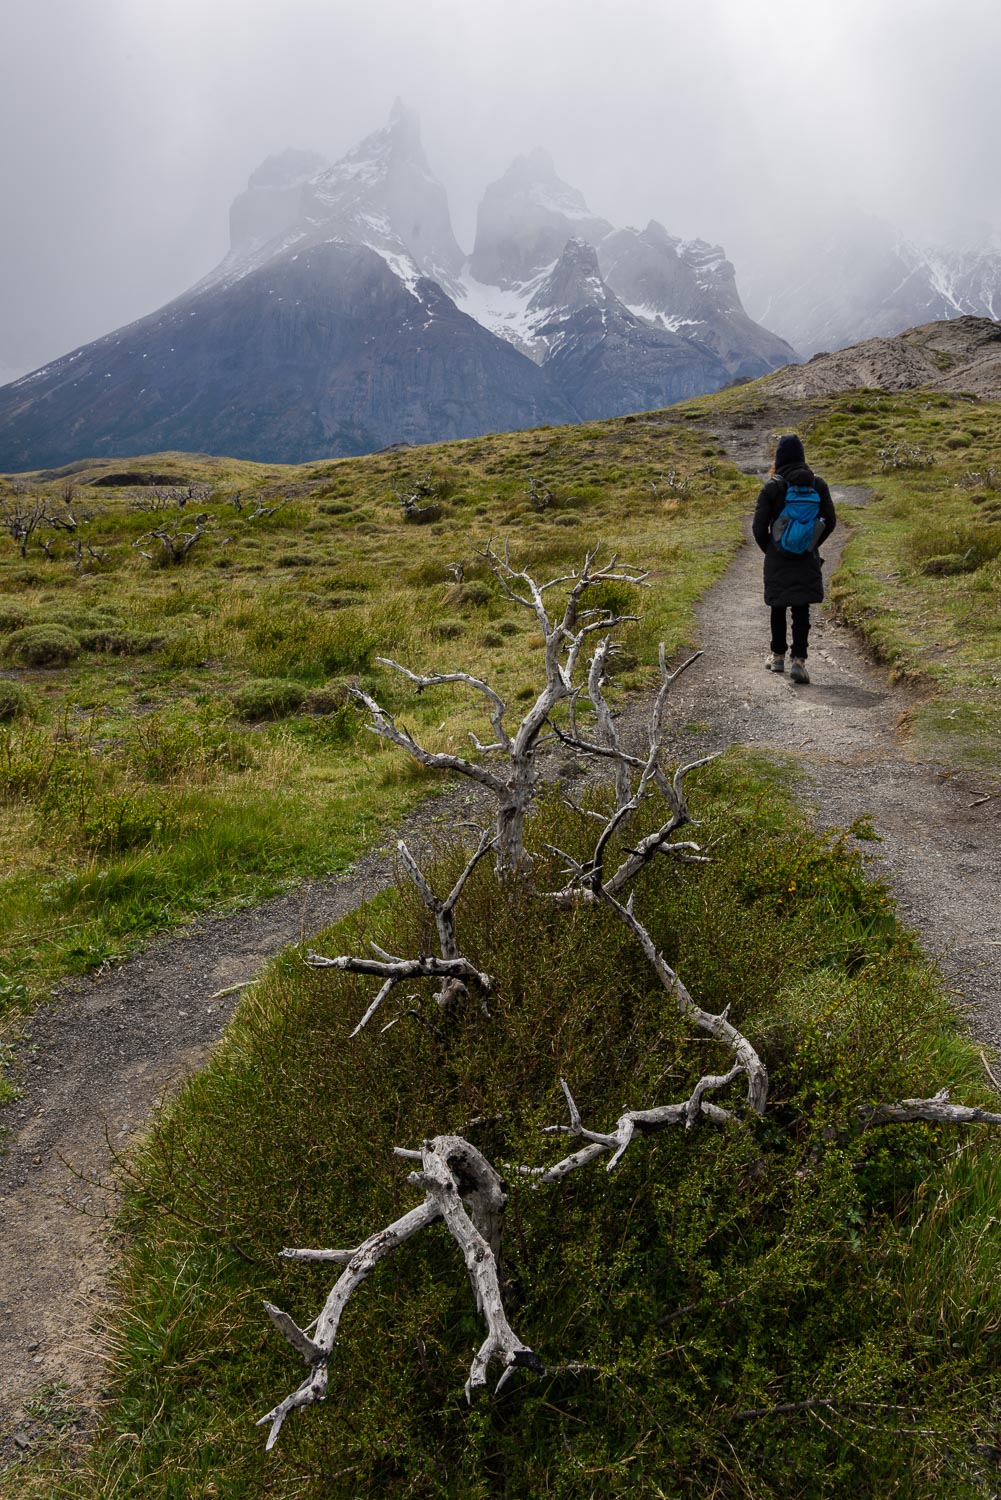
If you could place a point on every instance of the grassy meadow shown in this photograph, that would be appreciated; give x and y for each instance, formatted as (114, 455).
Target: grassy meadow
(789, 1306)
(177, 736)
(793, 1306)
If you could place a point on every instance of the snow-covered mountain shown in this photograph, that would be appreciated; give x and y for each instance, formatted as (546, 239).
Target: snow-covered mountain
(382, 195)
(860, 278)
(603, 358)
(345, 318)
(681, 287)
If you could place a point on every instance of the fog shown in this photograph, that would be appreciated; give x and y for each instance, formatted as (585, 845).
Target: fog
(128, 127)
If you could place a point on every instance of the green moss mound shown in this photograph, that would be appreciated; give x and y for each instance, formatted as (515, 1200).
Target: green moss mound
(42, 646)
(736, 1311)
(13, 615)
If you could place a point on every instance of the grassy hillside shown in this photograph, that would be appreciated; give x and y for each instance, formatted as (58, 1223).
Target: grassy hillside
(921, 580)
(785, 1307)
(791, 1306)
(178, 735)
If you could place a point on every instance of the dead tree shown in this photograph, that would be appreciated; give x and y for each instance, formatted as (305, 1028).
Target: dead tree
(418, 500)
(588, 881)
(455, 971)
(564, 637)
(80, 548)
(539, 494)
(173, 544)
(462, 1189)
(22, 516)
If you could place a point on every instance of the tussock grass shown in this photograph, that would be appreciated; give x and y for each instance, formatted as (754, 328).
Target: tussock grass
(712, 1276)
(148, 751)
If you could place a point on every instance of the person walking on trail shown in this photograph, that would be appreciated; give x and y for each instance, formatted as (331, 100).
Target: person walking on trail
(794, 514)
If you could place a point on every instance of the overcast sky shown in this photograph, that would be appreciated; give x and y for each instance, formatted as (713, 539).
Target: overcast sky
(128, 126)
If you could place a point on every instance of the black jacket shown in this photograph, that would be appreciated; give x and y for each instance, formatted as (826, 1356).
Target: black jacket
(791, 577)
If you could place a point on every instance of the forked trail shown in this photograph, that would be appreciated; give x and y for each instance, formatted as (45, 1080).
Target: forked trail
(101, 1060)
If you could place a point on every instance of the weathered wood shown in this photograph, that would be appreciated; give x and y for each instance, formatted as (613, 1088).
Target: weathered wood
(455, 971)
(453, 1175)
(937, 1110)
(563, 637)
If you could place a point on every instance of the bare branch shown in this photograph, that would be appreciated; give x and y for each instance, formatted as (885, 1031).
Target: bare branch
(386, 727)
(365, 1259)
(452, 1170)
(436, 679)
(608, 734)
(628, 1125)
(454, 970)
(717, 1026)
(937, 1110)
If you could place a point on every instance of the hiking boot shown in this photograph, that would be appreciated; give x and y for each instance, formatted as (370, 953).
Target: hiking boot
(797, 670)
(774, 662)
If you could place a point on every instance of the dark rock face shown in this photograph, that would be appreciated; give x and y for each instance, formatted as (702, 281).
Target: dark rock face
(604, 359)
(319, 354)
(330, 327)
(690, 288)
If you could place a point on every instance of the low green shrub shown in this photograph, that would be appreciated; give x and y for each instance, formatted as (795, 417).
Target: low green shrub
(447, 629)
(958, 548)
(17, 701)
(115, 641)
(13, 615)
(187, 744)
(42, 646)
(475, 595)
(268, 698)
(697, 1308)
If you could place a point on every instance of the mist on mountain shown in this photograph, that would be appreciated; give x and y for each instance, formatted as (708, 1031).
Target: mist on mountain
(345, 318)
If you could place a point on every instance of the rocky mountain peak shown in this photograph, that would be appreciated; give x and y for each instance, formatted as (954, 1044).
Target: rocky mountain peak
(272, 203)
(573, 283)
(287, 168)
(525, 219)
(405, 126)
(381, 194)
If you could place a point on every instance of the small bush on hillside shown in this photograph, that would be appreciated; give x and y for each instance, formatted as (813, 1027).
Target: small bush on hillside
(268, 698)
(165, 746)
(13, 615)
(475, 594)
(447, 630)
(42, 646)
(942, 550)
(329, 698)
(16, 702)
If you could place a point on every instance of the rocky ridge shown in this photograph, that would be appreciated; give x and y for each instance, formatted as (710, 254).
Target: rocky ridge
(959, 354)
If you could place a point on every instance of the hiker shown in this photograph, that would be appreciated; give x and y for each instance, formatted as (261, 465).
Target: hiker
(794, 514)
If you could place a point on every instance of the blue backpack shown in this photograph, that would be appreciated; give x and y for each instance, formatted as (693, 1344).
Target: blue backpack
(798, 522)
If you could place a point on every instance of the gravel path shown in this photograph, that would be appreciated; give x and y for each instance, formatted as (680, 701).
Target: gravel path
(100, 1060)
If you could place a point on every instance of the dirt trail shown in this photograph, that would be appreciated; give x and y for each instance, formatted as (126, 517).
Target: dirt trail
(102, 1058)
(96, 1065)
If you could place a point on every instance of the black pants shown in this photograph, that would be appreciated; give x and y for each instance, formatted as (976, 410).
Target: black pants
(800, 629)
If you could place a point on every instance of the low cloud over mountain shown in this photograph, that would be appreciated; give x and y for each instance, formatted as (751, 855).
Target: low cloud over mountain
(345, 318)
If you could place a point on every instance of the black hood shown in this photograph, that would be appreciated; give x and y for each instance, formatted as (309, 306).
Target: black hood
(796, 474)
